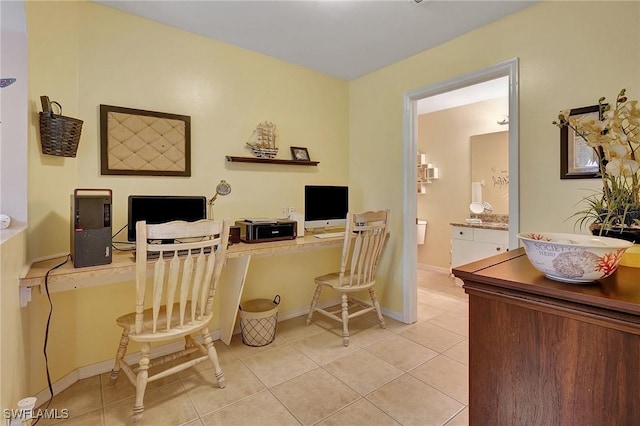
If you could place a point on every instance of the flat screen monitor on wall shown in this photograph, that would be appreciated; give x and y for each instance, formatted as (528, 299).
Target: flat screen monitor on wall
(325, 206)
(160, 208)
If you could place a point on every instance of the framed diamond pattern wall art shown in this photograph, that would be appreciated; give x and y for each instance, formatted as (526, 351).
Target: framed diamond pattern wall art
(147, 143)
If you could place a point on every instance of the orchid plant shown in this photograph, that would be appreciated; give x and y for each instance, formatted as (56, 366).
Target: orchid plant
(616, 141)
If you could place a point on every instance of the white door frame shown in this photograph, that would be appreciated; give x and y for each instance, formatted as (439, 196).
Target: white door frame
(410, 148)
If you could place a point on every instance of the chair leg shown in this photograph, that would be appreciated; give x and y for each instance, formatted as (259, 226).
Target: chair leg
(314, 303)
(213, 356)
(141, 383)
(345, 319)
(188, 342)
(374, 300)
(122, 350)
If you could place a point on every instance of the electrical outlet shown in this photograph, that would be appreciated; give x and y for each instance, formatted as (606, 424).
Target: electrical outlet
(25, 296)
(291, 211)
(284, 212)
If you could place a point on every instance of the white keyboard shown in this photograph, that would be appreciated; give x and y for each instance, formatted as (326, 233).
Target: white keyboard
(330, 235)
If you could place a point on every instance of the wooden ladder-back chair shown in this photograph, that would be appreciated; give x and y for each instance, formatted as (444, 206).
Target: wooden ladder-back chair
(184, 277)
(364, 240)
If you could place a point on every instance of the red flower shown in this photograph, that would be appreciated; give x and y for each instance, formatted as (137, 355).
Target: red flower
(537, 237)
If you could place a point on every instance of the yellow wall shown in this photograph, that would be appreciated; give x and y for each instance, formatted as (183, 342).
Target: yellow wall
(95, 55)
(445, 138)
(14, 324)
(571, 53)
(490, 167)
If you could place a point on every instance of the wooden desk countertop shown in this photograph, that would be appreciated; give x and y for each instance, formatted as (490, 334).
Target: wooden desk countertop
(122, 267)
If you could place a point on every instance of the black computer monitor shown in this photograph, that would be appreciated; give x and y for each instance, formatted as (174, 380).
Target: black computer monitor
(163, 208)
(325, 206)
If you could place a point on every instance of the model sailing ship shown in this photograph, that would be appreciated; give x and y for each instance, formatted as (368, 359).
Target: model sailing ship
(262, 142)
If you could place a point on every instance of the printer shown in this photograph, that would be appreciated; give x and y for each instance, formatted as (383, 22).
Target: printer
(258, 230)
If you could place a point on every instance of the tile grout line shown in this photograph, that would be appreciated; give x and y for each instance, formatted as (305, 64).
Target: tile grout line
(396, 332)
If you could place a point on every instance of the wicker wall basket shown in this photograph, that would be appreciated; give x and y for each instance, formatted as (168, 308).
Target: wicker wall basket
(59, 135)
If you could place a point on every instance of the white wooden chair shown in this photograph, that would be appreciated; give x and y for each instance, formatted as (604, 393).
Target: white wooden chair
(364, 240)
(184, 278)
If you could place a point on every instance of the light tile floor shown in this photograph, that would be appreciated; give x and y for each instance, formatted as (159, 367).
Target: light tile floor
(403, 375)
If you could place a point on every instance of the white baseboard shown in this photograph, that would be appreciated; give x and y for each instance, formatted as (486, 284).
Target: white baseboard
(434, 268)
(391, 314)
(386, 312)
(105, 366)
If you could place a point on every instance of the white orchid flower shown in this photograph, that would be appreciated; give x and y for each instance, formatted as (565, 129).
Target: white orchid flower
(616, 136)
(618, 151)
(622, 167)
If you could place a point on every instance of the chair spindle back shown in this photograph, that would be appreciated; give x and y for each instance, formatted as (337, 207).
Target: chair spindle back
(185, 272)
(365, 236)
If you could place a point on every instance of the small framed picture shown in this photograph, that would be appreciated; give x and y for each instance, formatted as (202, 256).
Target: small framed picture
(577, 159)
(300, 153)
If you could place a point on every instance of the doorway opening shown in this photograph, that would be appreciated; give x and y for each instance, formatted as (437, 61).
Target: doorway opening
(509, 70)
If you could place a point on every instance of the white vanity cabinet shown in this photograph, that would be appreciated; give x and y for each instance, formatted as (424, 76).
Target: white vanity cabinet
(470, 244)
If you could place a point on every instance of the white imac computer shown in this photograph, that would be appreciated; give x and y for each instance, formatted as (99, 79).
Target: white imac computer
(325, 206)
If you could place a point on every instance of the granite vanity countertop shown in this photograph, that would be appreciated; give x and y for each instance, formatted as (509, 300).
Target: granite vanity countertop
(499, 222)
(500, 226)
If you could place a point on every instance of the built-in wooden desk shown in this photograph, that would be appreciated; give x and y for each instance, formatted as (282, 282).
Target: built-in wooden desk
(122, 268)
(542, 352)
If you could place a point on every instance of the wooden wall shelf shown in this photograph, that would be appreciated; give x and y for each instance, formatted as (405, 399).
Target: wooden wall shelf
(232, 159)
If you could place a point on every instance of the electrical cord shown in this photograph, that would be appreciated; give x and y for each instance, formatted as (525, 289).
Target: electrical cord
(131, 246)
(128, 243)
(119, 231)
(46, 332)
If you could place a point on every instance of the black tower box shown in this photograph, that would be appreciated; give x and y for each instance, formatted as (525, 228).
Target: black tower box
(91, 227)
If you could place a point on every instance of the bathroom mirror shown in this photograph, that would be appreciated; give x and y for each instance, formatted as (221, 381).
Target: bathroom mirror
(490, 170)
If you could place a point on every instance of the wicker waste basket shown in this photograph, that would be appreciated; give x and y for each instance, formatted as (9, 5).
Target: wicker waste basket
(258, 320)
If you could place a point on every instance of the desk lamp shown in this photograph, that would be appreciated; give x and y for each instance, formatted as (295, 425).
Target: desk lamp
(223, 188)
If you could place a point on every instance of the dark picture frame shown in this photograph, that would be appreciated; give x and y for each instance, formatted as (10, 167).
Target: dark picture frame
(144, 143)
(299, 153)
(577, 159)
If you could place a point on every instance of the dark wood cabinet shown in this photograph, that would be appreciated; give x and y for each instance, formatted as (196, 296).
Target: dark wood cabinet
(547, 353)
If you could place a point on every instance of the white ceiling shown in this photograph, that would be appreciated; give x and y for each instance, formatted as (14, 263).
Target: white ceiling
(492, 89)
(345, 39)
